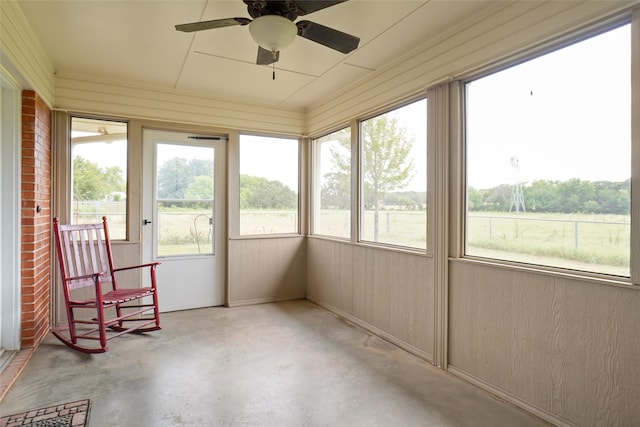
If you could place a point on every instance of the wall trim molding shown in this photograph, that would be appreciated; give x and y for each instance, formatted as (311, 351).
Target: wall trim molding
(508, 397)
(384, 335)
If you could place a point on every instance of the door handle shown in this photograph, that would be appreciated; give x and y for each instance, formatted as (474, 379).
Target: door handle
(146, 222)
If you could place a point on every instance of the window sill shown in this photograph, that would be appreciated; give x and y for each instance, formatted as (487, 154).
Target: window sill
(549, 271)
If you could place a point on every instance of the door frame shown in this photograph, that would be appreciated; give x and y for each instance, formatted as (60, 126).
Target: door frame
(147, 183)
(10, 220)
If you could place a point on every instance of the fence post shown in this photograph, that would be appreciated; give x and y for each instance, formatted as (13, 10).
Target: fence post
(575, 232)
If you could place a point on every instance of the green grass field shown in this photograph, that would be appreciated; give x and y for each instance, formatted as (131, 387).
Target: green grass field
(597, 239)
(598, 243)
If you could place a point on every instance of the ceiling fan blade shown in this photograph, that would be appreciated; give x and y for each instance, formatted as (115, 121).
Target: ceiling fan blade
(216, 23)
(342, 42)
(310, 6)
(265, 57)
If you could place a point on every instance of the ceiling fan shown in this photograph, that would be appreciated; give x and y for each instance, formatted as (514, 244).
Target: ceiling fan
(273, 28)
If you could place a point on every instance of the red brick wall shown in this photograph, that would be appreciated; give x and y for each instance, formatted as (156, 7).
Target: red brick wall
(36, 226)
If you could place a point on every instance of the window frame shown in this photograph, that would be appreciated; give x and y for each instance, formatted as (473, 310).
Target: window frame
(316, 184)
(429, 211)
(357, 200)
(127, 122)
(300, 196)
(517, 58)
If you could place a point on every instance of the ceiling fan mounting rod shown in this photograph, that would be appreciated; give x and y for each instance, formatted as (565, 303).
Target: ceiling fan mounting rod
(286, 8)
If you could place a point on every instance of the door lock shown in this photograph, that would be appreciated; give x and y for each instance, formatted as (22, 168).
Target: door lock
(146, 222)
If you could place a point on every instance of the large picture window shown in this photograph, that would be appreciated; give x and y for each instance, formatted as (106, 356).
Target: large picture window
(549, 158)
(268, 185)
(394, 177)
(99, 173)
(333, 184)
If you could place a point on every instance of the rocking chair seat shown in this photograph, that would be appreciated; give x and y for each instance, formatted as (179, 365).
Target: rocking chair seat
(124, 295)
(117, 296)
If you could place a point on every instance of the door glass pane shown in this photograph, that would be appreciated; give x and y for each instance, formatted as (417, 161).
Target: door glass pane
(184, 200)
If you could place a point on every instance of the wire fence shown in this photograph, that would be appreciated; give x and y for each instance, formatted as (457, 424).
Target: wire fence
(596, 239)
(580, 232)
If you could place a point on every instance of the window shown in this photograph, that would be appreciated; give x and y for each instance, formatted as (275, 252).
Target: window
(333, 184)
(99, 173)
(268, 185)
(394, 177)
(549, 159)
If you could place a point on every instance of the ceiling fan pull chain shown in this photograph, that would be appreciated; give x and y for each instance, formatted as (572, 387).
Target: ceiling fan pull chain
(273, 64)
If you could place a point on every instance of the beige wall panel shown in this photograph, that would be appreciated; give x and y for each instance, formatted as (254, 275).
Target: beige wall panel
(267, 269)
(138, 102)
(504, 29)
(21, 53)
(127, 254)
(331, 263)
(564, 346)
(388, 292)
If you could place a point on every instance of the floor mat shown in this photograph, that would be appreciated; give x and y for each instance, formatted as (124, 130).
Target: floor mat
(72, 414)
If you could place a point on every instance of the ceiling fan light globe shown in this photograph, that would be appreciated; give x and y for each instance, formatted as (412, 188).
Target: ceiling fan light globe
(273, 32)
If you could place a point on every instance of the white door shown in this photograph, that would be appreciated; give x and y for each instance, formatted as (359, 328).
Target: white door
(184, 217)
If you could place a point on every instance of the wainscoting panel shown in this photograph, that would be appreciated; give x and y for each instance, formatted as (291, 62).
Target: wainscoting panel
(266, 270)
(388, 292)
(561, 345)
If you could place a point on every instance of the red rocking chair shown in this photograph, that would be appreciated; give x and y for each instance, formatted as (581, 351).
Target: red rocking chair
(86, 267)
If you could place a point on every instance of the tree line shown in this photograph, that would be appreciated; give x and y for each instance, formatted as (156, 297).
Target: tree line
(180, 179)
(571, 196)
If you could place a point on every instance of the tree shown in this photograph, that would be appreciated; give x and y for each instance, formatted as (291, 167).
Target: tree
(200, 188)
(386, 162)
(176, 175)
(386, 165)
(261, 193)
(173, 178)
(336, 186)
(336, 191)
(91, 182)
(571, 196)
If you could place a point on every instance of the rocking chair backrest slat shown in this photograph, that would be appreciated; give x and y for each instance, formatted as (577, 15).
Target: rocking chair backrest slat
(82, 251)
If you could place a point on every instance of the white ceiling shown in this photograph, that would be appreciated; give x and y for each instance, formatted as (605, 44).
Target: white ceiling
(134, 41)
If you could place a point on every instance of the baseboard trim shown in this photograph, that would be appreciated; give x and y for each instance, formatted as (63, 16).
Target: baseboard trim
(384, 335)
(13, 368)
(241, 303)
(509, 398)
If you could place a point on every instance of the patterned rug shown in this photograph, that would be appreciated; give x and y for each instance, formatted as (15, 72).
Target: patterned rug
(72, 414)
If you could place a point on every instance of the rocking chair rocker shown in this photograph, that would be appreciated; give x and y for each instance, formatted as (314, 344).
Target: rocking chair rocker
(86, 266)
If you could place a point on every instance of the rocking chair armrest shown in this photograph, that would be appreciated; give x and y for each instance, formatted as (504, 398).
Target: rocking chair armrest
(150, 264)
(85, 276)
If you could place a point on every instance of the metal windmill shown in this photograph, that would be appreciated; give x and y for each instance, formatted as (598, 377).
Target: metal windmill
(517, 196)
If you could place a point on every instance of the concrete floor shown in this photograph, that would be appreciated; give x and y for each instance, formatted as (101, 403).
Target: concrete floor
(284, 364)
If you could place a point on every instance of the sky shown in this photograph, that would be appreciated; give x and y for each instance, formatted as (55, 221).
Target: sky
(273, 158)
(564, 115)
(105, 154)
